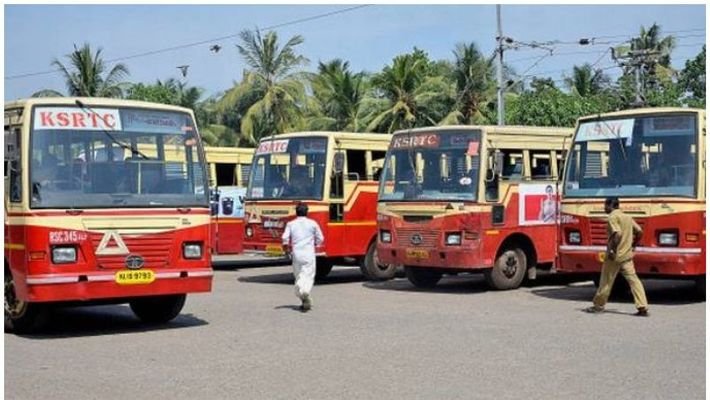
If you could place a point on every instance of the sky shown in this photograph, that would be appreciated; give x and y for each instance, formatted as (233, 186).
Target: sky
(368, 37)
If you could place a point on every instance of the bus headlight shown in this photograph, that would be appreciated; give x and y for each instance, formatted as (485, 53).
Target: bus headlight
(249, 231)
(64, 255)
(192, 250)
(668, 238)
(385, 237)
(453, 239)
(574, 237)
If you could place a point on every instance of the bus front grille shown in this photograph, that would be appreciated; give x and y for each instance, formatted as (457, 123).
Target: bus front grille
(406, 237)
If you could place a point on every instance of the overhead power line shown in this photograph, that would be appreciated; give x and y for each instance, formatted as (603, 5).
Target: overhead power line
(201, 42)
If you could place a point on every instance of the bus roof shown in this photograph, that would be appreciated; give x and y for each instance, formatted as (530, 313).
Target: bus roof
(92, 102)
(638, 111)
(548, 131)
(335, 135)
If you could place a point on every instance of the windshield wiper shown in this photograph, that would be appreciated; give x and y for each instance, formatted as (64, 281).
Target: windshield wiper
(134, 151)
(618, 136)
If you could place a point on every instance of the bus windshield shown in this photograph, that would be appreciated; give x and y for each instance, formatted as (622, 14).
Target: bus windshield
(634, 156)
(432, 166)
(114, 157)
(288, 169)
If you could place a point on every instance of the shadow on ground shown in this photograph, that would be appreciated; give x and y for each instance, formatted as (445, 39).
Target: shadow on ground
(464, 284)
(337, 275)
(664, 292)
(103, 320)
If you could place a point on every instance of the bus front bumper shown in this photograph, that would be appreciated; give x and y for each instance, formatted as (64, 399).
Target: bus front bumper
(103, 285)
(452, 257)
(648, 261)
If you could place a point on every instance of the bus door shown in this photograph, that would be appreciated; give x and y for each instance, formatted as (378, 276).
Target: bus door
(336, 204)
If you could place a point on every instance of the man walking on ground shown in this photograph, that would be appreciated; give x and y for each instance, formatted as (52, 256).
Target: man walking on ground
(623, 233)
(303, 236)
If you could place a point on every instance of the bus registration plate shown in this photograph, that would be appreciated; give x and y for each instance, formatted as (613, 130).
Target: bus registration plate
(274, 250)
(128, 277)
(417, 254)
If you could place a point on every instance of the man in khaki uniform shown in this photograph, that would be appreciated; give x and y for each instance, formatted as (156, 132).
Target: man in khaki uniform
(623, 233)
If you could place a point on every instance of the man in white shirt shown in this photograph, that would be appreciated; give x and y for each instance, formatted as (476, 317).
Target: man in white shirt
(303, 235)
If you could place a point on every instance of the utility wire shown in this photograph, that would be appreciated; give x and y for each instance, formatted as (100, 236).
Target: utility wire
(213, 40)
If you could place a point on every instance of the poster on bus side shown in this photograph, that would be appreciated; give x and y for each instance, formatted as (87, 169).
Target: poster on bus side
(537, 204)
(231, 201)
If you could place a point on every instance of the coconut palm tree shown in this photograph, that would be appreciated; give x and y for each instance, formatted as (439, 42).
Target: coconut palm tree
(408, 95)
(650, 39)
(277, 91)
(85, 76)
(338, 95)
(586, 81)
(475, 87)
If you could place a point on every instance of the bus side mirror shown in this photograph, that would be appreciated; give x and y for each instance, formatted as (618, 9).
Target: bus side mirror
(338, 163)
(498, 164)
(11, 150)
(491, 185)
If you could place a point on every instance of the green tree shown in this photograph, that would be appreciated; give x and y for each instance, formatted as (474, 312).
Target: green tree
(475, 86)
(692, 80)
(277, 91)
(86, 75)
(586, 81)
(547, 105)
(338, 94)
(408, 94)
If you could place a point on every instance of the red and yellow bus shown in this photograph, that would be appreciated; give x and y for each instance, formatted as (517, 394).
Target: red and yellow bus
(471, 199)
(336, 175)
(229, 173)
(653, 160)
(105, 200)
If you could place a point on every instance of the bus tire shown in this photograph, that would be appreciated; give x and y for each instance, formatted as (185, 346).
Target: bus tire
(508, 271)
(423, 278)
(323, 268)
(372, 269)
(20, 316)
(158, 309)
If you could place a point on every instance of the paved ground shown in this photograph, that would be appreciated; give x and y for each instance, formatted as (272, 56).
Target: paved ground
(367, 340)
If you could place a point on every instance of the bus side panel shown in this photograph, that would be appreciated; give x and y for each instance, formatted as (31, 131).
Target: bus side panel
(230, 235)
(359, 224)
(16, 256)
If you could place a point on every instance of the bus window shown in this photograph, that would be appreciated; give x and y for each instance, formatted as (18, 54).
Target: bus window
(357, 165)
(541, 166)
(378, 162)
(512, 165)
(226, 175)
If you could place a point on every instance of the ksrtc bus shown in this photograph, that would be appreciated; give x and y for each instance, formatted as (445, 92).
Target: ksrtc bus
(653, 160)
(336, 175)
(458, 199)
(105, 200)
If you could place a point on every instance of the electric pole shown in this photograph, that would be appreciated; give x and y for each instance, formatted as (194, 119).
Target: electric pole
(640, 62)
(501, 101)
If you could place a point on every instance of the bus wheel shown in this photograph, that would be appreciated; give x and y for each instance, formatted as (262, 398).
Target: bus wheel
(158, 309)
(424, 278)
(371, 267)
(323, 268)
(508, 271)
(20, 316)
